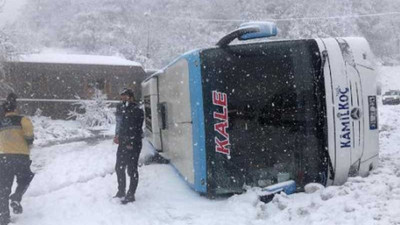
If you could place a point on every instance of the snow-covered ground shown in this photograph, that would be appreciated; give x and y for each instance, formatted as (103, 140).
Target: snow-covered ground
(53, 131)
(74, 184)
(389, 78)
(50, 132)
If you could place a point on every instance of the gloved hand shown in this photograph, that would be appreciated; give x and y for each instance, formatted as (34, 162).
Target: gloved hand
(116, 140)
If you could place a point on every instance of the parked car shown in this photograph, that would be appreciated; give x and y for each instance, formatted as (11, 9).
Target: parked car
(391, 97)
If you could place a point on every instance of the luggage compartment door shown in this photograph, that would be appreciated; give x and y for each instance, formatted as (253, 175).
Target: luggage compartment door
(150, 101)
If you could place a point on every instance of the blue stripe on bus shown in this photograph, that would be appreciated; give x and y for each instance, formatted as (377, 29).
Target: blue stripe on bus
(198, 129)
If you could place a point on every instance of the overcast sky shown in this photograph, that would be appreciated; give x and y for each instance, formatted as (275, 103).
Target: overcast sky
(10, 10)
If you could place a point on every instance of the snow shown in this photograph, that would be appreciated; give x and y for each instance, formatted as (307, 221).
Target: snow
(75, 182)
(77, 59)
(50, 132)
(55, 131)
(11, 11)
(389, 78)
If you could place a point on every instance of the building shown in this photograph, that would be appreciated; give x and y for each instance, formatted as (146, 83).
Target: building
(53, 82)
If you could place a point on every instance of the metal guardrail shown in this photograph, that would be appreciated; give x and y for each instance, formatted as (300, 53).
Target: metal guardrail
(59, 100)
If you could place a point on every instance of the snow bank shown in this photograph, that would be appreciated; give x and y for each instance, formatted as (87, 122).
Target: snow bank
(389, 78)
(50, 132)
(74, 184)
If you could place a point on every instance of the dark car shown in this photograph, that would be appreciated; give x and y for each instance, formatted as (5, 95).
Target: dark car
(391, 97)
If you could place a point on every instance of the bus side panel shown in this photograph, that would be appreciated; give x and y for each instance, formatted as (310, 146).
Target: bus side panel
(338, 111)
(174, 103)
(150, 99)
(364, 61)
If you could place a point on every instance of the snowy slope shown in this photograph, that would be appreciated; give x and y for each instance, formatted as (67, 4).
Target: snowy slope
(389, 78)
(74, 185)
(50, 132)
(53, 131)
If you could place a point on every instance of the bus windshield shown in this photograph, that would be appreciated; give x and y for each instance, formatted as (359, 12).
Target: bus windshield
(276, 111)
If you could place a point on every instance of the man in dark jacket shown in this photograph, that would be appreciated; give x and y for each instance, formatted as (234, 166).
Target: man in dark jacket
(130, 144)
(16, 136)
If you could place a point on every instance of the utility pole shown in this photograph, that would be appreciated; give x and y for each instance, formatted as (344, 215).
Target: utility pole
(147, 15)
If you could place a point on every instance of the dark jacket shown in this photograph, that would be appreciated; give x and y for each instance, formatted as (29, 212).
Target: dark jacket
(130, 130)
(118, 116)
(2, 113)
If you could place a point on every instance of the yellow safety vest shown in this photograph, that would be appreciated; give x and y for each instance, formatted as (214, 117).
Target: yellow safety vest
(16, 134)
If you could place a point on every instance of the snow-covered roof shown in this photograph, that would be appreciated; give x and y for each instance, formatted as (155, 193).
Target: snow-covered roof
(77, 59)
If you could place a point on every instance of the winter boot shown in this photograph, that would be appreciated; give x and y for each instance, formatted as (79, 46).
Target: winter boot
(128, 199)
(120, 194)
(16, 206)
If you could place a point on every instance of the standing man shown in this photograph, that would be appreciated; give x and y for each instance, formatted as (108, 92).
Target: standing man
(130, 144)
(16, 136)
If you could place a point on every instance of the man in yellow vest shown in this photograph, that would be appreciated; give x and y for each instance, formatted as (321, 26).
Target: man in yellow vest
(16, 136)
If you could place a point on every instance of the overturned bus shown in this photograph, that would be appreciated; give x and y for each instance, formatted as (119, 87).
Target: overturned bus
(259, 114)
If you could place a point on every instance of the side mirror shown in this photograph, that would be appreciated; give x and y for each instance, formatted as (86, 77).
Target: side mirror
(250, 30)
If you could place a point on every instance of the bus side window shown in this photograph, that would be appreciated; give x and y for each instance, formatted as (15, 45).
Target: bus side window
(162, 115)
(147, 110)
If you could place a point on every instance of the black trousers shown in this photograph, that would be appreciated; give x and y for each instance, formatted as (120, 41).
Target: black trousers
(11, 166)
(127, 159)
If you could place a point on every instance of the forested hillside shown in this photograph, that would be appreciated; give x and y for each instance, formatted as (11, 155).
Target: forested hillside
(154, 32)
